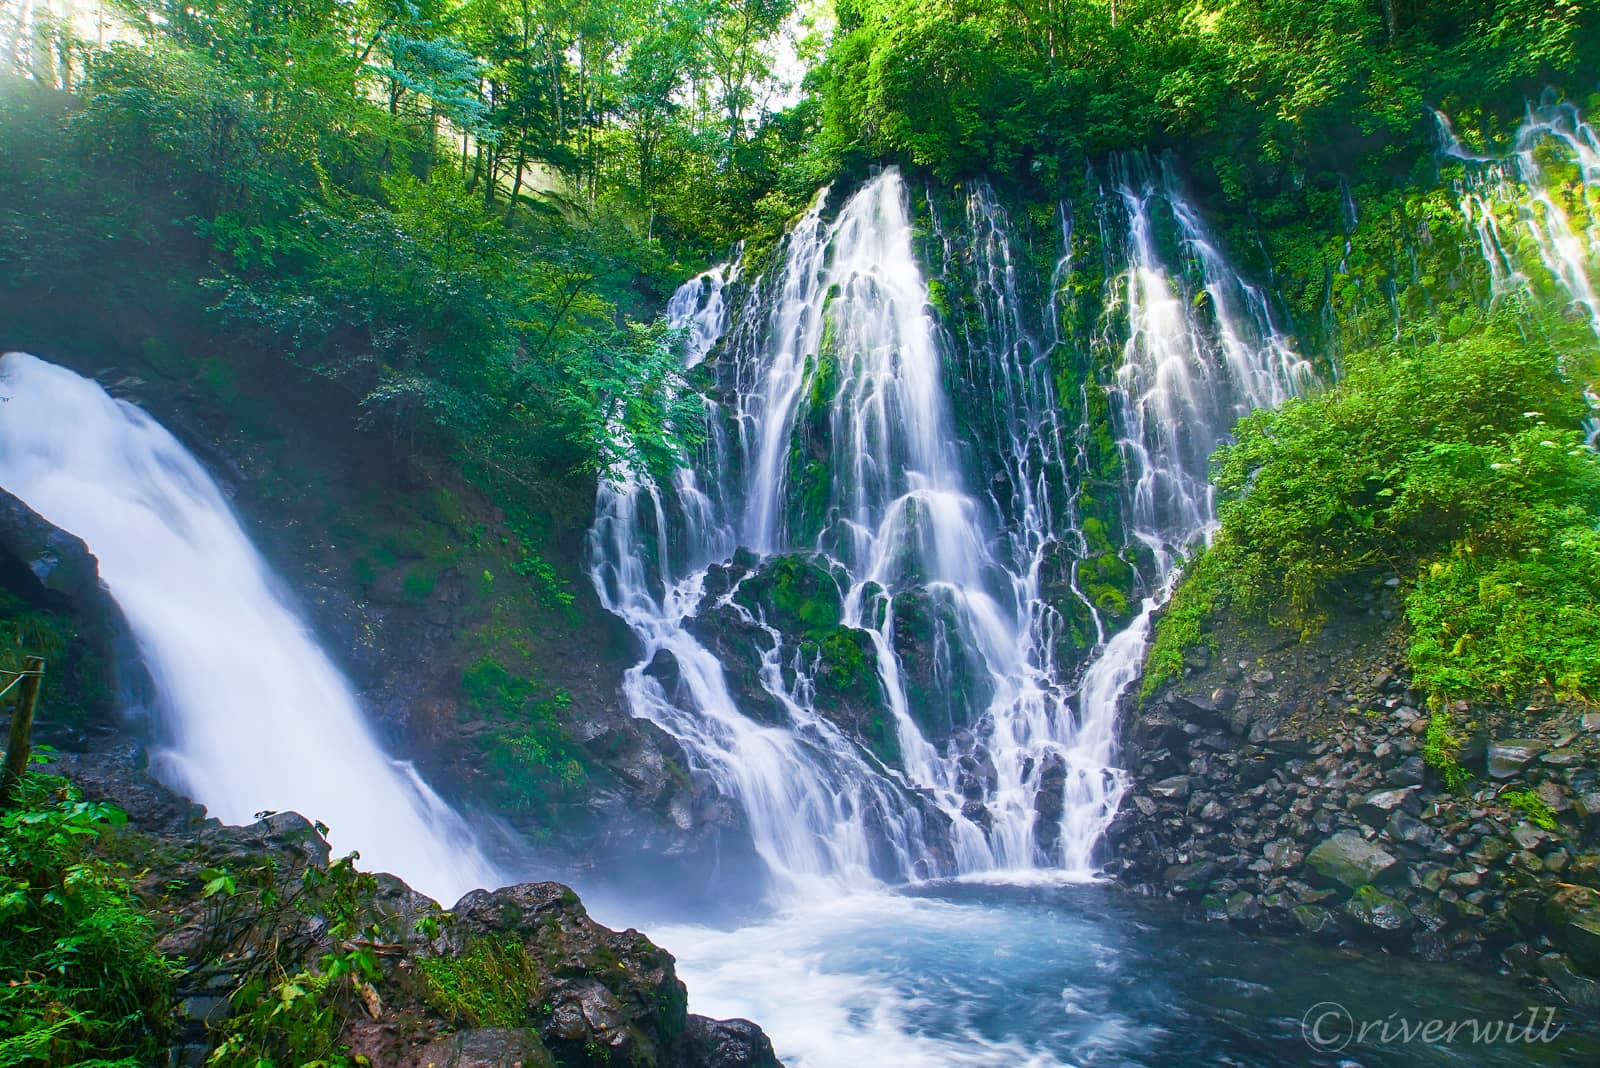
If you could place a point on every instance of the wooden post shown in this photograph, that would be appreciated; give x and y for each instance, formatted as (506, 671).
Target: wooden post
(21, 745)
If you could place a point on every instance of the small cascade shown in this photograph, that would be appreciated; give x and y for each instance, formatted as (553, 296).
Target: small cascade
(251, 714)
(836, 461)
(1183, 377)
(1536, 213)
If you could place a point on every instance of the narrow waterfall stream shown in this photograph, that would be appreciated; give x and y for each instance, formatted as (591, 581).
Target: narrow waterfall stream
(250, 712)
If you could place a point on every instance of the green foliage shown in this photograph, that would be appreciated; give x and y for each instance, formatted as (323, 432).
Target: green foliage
(1441, 746)
(1456, 458)
(1533, 806)
(289, 1010)
(532, 751)
(490, 983)
(1183, 624)
(964, 88)
(84, 983)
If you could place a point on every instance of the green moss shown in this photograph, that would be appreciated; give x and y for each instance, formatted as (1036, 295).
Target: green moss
(491, 983)
(1183, 624)
(1530, 804)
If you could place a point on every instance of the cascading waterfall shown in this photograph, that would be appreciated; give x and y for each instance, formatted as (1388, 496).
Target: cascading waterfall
(833, 437)
(252, 715)
(1535, 236)
(1182, 380)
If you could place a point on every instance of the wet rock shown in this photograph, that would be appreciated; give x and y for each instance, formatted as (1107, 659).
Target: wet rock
(1580, 936)
(727, 1044)
(1579, 990)
(1378, 912)
(1376, 807)
(1175, 788)
(486, 1047)
(1507, 758)
(1350, 860)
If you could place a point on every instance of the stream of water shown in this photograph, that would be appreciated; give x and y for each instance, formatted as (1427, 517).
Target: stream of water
(250, 713)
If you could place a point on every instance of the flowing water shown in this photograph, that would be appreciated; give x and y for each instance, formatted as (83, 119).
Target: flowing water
(250, 712)
(1536, 212)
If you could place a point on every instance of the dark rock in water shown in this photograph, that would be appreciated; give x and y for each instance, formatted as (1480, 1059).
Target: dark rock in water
(1507, 758)
(1351, 861)
(1581, 991)
(487, 1047)
(727, 1044)
(1378, 912)
(1580, 936)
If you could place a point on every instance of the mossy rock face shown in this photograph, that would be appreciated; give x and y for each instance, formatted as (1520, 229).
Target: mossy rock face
(947, 684)
(796, 594)
(849, 691)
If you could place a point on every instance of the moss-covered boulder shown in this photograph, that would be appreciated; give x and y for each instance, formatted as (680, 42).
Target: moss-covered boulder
(796, 594)
(947, 684)
(849, 691)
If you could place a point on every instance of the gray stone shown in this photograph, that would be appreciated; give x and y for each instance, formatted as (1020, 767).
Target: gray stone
(486, 1047)
(1174, 789)
(1507, 758)
(1378, 912)
(1409, 772)
(1377, 806)
(1351, 861)
(1580, 936)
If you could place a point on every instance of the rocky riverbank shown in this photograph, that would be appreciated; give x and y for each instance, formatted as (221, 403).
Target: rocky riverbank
(519, 976)
(1282, 784)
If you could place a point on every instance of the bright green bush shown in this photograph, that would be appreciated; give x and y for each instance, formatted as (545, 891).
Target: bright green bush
(82, 981)
(1455, 463)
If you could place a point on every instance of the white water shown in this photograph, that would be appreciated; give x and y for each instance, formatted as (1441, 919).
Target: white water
(251, 713)
(840, 335)
(1538, 235)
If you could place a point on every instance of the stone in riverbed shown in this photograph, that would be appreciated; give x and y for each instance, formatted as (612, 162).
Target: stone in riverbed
(1378, 912)
(1376, 807)
(1507, 758)
(1173, 789)
(1352, 861)
(1581, 991)
(1580, 936)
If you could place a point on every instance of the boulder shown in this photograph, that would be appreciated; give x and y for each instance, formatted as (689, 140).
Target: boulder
(486, 1047)
(1507, 758)
(1353, 862)
(726, 1044)
(1378, 913)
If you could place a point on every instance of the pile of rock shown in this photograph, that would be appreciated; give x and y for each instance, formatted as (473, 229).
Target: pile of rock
(1326, 820)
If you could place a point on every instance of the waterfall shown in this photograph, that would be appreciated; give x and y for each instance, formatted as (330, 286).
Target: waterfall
(1183, 379)
(1538, 233)
(836, 452)
(251, 714)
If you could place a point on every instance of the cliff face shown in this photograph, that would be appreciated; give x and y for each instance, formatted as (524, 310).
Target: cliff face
(1280, 784)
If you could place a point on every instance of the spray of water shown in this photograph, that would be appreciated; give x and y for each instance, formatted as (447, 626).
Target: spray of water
(250, 712)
